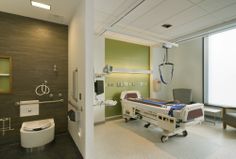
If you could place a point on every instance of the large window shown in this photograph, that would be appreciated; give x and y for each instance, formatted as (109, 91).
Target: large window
(220, 69)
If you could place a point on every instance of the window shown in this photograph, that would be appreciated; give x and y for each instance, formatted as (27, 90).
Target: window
(220, 69)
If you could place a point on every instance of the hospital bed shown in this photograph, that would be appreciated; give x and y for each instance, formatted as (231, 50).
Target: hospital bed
(172, 117)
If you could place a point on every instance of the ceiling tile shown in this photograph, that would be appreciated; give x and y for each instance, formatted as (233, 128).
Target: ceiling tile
(114, 7)
(196, 1)
(180, 19)
(165, 10)
(226, 14)
(107, 6)
(98, 27)
(153, 35)
(118, 11)
(214, 5)
(100, 17)
(119, 27)
(197, 25)
(125, 7)
(140, 10)
(103, 18)
(158, 29)
(186, 16)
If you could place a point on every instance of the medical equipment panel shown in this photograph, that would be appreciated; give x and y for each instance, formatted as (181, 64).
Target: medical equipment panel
(99, 87)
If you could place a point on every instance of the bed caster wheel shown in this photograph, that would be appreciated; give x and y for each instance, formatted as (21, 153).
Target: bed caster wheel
(164, 139)
(147, 125)
(185, 133)
(139, 117)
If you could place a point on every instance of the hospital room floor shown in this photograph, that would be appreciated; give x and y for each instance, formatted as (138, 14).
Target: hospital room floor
(62, 147)
(119, 140)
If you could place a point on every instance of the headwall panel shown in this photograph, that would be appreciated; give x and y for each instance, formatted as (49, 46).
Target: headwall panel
(121, 54)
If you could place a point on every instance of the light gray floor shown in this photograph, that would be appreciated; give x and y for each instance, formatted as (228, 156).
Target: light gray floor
(119, 140)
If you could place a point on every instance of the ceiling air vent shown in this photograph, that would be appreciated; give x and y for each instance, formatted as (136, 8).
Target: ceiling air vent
(166, 25)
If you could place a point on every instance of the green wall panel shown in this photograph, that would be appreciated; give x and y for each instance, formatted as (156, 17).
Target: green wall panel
(5, 84)
(4, 65)
(125, 55)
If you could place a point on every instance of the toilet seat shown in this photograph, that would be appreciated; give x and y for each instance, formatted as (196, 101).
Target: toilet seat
(37, 125)
(34, 134)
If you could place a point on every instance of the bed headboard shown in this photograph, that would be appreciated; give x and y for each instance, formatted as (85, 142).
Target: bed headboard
(130, 94)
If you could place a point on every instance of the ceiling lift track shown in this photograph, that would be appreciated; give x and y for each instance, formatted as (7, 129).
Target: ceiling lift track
(109, 28)
(150, 39)
(127, 13)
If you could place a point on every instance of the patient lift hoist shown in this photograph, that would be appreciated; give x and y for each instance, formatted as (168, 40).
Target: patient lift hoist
(166, 65)
(134, 108)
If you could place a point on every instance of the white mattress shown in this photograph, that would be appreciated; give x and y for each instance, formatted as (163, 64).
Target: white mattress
(179, 114)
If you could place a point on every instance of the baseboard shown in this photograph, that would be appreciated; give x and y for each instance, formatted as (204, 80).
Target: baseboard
(100, 122)
(114, 117)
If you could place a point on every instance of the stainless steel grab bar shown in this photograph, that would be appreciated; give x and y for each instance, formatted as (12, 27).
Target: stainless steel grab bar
(43, 102)
(6, 125)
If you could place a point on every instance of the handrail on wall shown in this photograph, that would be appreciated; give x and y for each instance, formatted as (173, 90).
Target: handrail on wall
(43, 102)
(75, 84)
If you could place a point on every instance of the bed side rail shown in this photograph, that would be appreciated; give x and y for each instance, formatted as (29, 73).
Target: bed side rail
(166, 122)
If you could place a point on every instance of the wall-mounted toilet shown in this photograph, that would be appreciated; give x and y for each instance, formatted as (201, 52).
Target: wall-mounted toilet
(35, 134)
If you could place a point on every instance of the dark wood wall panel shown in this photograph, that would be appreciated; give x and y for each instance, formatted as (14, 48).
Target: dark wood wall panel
(35, 46)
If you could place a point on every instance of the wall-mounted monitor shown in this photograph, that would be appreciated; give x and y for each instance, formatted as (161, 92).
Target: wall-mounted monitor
(99, 87)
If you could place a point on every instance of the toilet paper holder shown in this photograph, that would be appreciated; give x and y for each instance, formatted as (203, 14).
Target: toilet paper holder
(6, 125)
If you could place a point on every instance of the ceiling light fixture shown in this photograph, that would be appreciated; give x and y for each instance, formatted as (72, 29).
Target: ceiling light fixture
(40, 5)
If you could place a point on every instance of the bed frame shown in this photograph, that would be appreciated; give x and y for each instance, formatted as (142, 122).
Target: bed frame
(133, 108)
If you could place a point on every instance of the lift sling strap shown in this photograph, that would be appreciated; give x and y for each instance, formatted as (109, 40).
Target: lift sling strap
(166, 63)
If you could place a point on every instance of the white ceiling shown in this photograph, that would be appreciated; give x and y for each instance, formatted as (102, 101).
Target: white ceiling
(61, 10)
(186, 16)
(144, 22)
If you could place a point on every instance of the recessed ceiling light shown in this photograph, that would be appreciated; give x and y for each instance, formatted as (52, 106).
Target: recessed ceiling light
(40, 5)
(166, 25)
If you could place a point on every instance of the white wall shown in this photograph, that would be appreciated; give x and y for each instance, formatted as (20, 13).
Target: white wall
(81, 56)
(99, 53)
(156, 58)
(187, 59)
(188, 67)
(99, 63)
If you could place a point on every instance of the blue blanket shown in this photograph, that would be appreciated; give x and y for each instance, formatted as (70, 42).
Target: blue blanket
(175, 107)
(153, 102)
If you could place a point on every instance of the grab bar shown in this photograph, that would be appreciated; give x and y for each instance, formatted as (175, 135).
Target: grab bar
(73, 105)
(43, 102)
(75, 85)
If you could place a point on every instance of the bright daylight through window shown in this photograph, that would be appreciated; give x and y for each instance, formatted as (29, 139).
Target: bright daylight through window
(220, 69)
